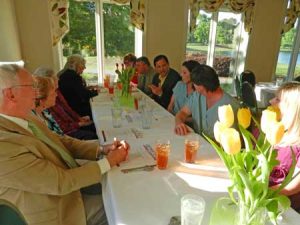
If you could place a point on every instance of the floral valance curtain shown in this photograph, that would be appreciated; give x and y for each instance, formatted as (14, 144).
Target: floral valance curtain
(59, 19)
(292, 13)
(137, 11)
(238, 6)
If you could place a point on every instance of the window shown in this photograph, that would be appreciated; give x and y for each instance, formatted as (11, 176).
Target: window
(220, 41)
(102, 33)
(288, 62)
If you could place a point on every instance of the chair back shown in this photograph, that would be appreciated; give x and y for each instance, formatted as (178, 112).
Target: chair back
(248, 76)
(249, 97)
(10, 215)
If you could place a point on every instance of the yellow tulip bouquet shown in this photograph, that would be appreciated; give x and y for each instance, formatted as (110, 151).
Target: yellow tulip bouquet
(249, 168)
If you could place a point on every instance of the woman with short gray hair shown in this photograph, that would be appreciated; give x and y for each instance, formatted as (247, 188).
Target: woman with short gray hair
(73, 87)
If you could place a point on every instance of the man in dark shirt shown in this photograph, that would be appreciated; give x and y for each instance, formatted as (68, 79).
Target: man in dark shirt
(163, 81)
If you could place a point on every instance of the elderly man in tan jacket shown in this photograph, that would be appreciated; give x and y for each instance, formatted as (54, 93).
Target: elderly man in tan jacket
(39, 174)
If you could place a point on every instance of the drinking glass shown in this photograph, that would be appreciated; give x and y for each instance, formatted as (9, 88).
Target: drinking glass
(191, 146)
(116, 114)
(192, 209)
(146, 117)
(162, 149)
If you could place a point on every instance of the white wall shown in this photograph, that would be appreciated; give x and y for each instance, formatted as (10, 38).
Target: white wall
(10, 49)
(166, 30)
(35, 34)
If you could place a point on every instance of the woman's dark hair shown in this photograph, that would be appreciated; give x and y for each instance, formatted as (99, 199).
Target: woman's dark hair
(248, 76)
(206, 76)
(160, 57)
(190, 64)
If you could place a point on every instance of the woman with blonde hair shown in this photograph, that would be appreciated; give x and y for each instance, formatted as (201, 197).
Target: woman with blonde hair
(287, 100)
(45, 98)
(60, 117)
(73, 86)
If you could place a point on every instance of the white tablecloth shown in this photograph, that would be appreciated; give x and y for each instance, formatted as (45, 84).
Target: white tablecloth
(264, 92)
(152, 198)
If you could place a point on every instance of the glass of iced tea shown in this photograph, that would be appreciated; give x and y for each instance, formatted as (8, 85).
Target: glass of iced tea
(106, 81)
(191, 146)
(162, 149)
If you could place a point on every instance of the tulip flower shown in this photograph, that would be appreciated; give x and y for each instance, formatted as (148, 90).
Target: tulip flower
(218, 129)
(276, 110)
(266, 119)
(244, 117)
(226, 116)
(230, 141)
(275, 132)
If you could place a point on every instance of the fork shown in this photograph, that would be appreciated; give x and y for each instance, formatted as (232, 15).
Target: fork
(140, 168)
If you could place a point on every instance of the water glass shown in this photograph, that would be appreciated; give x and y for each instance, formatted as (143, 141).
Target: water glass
(192, 209)
(146, 117)
(116, 114)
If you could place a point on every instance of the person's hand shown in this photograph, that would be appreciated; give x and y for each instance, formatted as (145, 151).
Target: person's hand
(85, 119)
(84, 123)
(114, 146)
(118, 154)
(181, 129)
(155, 90)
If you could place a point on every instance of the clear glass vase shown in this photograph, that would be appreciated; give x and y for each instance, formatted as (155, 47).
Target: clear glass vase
(225, 212)
(247, 216)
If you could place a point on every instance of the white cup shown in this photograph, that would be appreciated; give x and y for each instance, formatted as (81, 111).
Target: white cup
(192, 209)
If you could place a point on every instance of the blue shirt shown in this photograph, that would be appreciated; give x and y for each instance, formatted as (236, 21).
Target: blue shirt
(204, 119)
(180, 96)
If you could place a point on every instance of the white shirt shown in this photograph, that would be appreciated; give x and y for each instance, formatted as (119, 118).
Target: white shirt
(103, 163)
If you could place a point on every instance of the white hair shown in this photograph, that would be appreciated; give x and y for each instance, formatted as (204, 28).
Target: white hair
(73, 61)
(8, 77)
(44, 72)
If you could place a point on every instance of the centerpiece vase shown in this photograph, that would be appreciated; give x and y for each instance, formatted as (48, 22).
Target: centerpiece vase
(226, 212)
(126, 100)
(250, 216)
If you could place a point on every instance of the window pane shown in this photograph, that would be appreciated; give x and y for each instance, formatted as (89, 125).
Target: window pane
(81, 38)
(118, 35)
(228, 39)
(284, 56)
(197, 43)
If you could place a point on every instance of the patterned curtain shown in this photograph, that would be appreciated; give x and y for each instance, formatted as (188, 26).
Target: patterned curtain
(59, 19)
(137, 12)
(292, 13)
(237, 6)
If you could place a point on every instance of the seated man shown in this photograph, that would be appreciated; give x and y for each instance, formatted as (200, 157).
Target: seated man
(145, 74)
(164, 81)
(38, 171)
(204, 102)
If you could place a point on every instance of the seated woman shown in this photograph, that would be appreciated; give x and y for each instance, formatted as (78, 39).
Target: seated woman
(129, 60)
(73, 87)
(248, 76)
(204, 102)
(287, 100)
(45, 98)
(67, 118)
(183, 89)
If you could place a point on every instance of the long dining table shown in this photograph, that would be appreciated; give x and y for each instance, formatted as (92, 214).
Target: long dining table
(152, 197)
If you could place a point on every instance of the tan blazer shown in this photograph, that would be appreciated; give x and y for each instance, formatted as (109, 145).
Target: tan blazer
(35, 179)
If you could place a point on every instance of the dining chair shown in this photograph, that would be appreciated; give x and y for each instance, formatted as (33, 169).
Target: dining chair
(10, 214)
(249, 97)
(248, 76)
